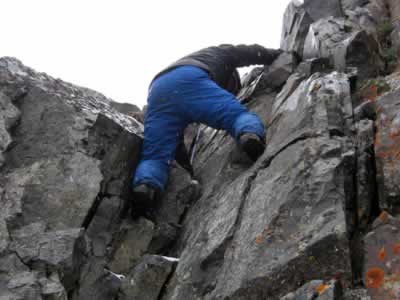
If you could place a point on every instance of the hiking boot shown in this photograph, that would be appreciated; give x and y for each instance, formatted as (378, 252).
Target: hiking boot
(144, 199)
(252, 145)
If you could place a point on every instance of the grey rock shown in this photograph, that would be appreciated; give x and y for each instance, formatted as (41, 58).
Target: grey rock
(369, 15)
(317, 290)
(366, 175)
(125, 108)
(277, 74)
(25, 286)
(119, 152)
(319, 10)
(135, 238)
(394, 9)
(232, 246)
(181, 192)
(61, 251)
(96, 282)
(345, 45)
(103, 224)
(362, 52)
(68, 155)
(381, 263)
(288, 89)
(314, 65)
(324, 36)
(252, 82)
(270, 78)
(320, 105)
(387, 149)
(356, 294)
(52, 289)
(9, 115)
(68, 187)
(147, 279)
(164, 236)
(299, 16)
(248, 78)
(353, 4)
(366, 110)
(296, 22)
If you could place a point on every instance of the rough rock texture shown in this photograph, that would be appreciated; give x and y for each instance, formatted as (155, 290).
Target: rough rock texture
(259, 233)
(296, 22)
(316, 217)
(64, 153)
(317, 290)
(387, 147)
(319, 10)
(152, 272)
(337, 40)
(382, 264)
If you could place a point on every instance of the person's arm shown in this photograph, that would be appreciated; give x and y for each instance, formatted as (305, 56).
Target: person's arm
(246, 55)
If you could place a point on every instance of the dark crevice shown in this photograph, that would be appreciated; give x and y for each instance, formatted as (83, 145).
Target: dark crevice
(22, 261)
(265, 164)
(375, 207)
(164, 288)
(92, 211)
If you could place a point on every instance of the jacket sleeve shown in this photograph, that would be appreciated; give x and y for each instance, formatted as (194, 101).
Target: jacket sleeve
(246, 55)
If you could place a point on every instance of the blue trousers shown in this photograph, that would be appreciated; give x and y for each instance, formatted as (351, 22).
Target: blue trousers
(177, 98)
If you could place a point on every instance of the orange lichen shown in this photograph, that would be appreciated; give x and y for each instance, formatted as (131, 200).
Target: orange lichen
(259, 239)
(396, 248)
(372, 94)
(374, 278)
(383, 216)
(322, 288)
(382, 254)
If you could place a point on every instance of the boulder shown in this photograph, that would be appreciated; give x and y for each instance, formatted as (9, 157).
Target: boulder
(296, 22)
(345, 46)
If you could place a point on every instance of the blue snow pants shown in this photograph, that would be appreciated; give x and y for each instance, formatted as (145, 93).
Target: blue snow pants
(177, 98)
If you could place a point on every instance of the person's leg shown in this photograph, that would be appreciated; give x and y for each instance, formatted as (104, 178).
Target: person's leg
(216, 107)
(161, 136)
(163, 127)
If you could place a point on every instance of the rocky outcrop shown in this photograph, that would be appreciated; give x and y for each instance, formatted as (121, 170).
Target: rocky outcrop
(316, 217)
(66, 162)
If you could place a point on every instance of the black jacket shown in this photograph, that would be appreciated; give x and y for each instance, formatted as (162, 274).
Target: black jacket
(221, 61)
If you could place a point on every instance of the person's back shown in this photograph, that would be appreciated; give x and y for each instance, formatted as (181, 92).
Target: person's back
(196, 88)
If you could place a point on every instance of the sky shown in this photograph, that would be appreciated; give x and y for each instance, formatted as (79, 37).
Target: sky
(116, 47)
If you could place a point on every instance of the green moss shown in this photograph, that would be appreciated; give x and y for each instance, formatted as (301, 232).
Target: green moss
(385, 29)
(389, 55)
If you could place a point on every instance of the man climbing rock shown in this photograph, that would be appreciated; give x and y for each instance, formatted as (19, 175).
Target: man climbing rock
(197, 88)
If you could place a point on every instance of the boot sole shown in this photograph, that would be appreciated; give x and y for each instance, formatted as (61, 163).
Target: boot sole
(253, 148)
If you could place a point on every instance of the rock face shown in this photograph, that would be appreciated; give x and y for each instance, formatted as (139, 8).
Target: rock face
(316, 217)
